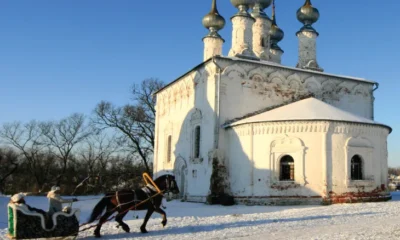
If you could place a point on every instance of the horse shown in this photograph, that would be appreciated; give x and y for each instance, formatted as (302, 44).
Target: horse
(134, 200)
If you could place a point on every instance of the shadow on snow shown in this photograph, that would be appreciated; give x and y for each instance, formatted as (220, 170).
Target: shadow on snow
(216, 227)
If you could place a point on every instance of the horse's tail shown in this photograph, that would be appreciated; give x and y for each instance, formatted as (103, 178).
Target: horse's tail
(98, 209)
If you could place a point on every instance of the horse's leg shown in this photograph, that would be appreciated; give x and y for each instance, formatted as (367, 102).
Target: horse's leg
(146, 218)
(102, 220)
(164, 215)
(119, 218)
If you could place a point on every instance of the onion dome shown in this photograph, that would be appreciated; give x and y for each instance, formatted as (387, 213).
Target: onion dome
(275, 32)
(258, 8)
(308, 15)
(243, 6)
(213, 21)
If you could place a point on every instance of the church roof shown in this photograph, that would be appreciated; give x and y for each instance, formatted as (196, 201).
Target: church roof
(266, 63)
(309, 109)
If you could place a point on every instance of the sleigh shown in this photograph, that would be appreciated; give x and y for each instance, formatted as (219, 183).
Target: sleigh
(25, 224)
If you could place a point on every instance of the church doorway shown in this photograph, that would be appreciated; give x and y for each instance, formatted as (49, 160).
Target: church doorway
(180, 170)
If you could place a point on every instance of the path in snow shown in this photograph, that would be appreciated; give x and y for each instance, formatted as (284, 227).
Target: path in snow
(194, 220)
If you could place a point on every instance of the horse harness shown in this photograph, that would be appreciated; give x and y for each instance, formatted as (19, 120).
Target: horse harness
(148, 191)
(119, 204)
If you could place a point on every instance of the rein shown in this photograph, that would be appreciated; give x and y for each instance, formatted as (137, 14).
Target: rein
(149, 183)
(111, 218)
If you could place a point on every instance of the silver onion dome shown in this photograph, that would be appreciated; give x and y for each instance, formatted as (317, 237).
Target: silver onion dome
(213, 19)
(307, 14)
(258, 8)
(243, 6)
(275, 32)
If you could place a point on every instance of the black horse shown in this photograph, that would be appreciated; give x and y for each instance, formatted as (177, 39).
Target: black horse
(125, 200)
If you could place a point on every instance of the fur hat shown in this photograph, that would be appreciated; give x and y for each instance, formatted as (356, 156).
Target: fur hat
(17, 197)
(54, 188)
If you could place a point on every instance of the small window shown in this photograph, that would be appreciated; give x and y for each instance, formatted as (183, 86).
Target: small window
(356, 168)
(169, 150)
(197, 142)
(287, 169)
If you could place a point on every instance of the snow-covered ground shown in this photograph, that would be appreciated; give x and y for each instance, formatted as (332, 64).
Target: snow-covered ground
(200, 221)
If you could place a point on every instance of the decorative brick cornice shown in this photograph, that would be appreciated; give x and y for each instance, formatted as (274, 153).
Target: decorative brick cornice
(273, 82)
(316, 126)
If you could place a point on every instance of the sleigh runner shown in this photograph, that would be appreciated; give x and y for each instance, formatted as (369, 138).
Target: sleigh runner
(25, 224)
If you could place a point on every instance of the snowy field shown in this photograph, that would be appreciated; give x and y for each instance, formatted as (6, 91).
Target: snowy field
(200, 221)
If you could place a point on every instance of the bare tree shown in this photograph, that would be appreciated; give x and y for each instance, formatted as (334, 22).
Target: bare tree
(394, 171)
(96, 154)
(135, 121)
(63, 136)
(28, 140)
(9, 162)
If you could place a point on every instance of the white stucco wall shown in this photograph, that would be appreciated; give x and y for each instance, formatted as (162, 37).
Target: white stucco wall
(369, 142)
(321, 150)
(185, 104)
(255, 164)
(248, 87)
(215, 93)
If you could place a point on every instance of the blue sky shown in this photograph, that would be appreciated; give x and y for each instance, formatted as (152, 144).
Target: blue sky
(61, 57)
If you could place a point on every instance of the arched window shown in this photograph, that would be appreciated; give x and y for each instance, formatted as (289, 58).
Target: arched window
(287, 168)
(356, 168)
(169, 150)
(197, 142)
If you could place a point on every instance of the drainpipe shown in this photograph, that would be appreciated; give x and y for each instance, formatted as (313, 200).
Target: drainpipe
(377, 86)
(373, 99)
(327, 159)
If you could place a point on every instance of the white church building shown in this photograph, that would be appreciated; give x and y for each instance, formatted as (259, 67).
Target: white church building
(265, 133)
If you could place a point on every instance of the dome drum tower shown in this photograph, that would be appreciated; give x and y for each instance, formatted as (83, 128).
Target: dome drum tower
(213, 42)
(307, 36)
(242, 33)
(261, 28)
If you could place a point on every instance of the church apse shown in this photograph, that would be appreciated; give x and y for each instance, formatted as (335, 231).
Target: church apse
(256, 153)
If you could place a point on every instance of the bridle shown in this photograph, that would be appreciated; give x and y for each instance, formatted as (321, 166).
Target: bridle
(168, 184)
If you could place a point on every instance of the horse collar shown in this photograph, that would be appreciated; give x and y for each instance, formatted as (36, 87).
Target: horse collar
(151, 187)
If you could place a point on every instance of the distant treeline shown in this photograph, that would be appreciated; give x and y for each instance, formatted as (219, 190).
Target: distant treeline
(81, 176)
(394, 171)
(107, 150)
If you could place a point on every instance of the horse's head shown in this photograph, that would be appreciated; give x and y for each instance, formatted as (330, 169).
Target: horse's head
(167, 183)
